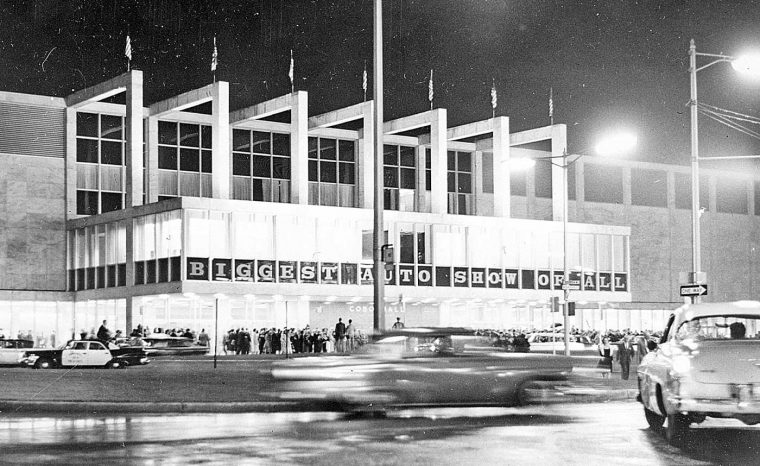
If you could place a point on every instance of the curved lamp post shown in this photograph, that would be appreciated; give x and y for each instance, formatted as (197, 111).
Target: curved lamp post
(615, 144)
(746, 64)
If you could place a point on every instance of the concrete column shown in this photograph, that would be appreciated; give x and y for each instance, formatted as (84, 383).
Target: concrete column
(438, 158)
(712, 190)
(221, 170)
(71, 162)
(134, 133)
(420, 192)
(580, 191)
(151, 191)
(500, 169)
(365, 157)
(559, 190)
(477, 180)
(128, 322)
(130, 250)
(671, 190)
(750, 187)
(299, 148)
(626, 173)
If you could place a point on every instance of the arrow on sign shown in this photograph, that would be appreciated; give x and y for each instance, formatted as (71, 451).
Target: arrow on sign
(693, 290)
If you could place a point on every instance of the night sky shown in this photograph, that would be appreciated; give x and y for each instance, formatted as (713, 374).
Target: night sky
(611, 63)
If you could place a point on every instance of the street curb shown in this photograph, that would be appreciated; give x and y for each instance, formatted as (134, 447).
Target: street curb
(131, 407)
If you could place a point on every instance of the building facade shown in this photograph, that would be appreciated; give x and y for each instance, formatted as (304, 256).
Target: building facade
(186, 214)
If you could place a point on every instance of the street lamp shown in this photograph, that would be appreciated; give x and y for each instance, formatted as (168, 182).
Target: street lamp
(747, 64)
(615, 144)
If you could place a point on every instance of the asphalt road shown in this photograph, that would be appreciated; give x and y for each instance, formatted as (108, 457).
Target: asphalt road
(173, 380)
(599, 433)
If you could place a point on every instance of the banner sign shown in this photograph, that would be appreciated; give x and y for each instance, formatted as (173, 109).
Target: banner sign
(334, 273)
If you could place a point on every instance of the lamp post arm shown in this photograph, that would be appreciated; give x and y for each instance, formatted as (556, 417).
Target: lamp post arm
(720, 60)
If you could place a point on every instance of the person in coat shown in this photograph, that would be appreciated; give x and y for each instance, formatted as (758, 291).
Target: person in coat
(624, 355)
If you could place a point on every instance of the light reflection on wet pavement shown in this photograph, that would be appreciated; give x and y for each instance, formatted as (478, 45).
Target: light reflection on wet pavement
(570, 434)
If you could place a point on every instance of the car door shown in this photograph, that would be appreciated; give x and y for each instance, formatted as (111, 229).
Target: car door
(98, 354)
(76, 355)
(9, 354)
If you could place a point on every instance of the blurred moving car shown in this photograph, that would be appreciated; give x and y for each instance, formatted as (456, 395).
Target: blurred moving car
(423, 367)
(91, 353)
(706, 365)
(159, 344)
(12, 351)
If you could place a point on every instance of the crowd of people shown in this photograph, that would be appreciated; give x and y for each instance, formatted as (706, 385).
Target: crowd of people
(343, 339)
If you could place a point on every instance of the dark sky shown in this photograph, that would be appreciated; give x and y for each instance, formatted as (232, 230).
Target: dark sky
(610, 62)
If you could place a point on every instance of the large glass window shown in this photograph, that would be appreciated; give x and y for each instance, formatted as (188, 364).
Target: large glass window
(97, 256)
(413, 245)
(400, 177)
(101, 146)
(332, 172)
(184, 159)
(260, 166)
(459, 177)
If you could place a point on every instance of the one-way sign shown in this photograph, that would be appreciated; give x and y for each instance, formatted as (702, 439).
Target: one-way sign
(693, 290)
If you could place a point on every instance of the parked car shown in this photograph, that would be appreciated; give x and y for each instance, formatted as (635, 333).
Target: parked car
(544, 342)
(159, 344)
(706, 365)
(423, 367)
(92, 353)
(12, 351)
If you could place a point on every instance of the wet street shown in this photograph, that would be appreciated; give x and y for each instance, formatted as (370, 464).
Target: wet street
(562, 434)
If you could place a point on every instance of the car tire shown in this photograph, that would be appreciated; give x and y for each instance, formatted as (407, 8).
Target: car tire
(677, 429)
(654, 420)
(115, 365)
(44, 364)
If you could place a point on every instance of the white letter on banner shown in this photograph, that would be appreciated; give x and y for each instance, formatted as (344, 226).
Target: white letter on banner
(197, 269)
(243, 270)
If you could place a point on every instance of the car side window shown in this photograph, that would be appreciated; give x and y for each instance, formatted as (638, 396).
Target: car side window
(80, 345)
(96, 346)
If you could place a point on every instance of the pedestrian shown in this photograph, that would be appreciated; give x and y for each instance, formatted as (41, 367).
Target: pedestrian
(605, 354)
(624, 356)
(203, 338)
(103, 333)
(340, 336)
(398, 324)
(350, 337)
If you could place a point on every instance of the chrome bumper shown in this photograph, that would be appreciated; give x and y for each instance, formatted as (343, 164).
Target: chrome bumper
(727, 407)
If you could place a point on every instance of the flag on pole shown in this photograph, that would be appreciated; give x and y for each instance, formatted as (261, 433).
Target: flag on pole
(430, 89)
(551, 106)
(290, 72)
(128, 51)
(364, 81)
(494, 98)
(214, 57)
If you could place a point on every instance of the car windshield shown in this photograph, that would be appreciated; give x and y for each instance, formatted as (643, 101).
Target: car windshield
(432, 345)
(736, 327)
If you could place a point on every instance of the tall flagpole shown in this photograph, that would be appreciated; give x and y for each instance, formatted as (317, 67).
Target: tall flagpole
(128, 52)
(291, 72)
(494, 98)
(551, 106)
(364, 80)
(430, 89)
(214, 59)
